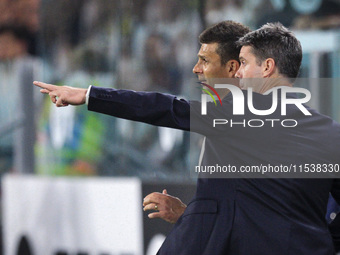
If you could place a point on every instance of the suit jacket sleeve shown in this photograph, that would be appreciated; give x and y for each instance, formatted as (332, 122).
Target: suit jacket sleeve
(161, 109)
(149, 107)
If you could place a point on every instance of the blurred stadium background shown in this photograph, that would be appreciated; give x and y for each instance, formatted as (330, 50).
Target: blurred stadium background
(56, 165)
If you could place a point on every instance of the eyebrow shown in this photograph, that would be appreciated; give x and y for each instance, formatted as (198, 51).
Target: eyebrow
(201, 56)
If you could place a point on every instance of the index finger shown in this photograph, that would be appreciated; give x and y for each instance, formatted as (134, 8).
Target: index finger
(44, 85)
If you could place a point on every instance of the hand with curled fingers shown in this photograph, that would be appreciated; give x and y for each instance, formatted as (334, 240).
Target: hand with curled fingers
(169, 208)
(63, 95)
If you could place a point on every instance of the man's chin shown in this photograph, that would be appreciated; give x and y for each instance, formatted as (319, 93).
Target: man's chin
(203, 82)
(242, 84)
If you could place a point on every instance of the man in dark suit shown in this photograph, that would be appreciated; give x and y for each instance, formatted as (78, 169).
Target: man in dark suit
(243, 215)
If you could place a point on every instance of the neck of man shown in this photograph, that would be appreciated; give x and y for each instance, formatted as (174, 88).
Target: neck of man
(273, 82)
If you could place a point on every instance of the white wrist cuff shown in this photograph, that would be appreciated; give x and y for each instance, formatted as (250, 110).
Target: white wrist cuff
(88, 95)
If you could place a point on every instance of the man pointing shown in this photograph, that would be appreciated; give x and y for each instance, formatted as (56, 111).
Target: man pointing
(241, 216)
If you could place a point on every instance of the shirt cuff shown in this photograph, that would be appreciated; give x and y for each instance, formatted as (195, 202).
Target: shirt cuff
(88, 95)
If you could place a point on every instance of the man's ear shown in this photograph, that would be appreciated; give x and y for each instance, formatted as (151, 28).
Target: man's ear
(268, 67)
(232, 67)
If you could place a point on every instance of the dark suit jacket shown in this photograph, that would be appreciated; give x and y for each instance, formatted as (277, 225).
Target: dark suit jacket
(244, 216)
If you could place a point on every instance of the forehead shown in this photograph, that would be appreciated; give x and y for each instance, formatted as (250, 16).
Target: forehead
(208, 49)
(246, 52)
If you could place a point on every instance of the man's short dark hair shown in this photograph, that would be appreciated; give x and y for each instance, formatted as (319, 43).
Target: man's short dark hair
(226, 34)
(275, 41)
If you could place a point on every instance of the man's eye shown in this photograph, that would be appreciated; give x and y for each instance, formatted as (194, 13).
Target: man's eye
(243, 62)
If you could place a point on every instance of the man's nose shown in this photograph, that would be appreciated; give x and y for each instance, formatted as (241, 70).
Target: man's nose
(197, 69)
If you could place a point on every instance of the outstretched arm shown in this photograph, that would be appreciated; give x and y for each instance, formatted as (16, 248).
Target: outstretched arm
(149, 107)
(168, 208)
(63, 95)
